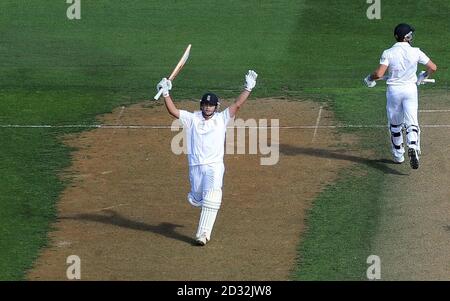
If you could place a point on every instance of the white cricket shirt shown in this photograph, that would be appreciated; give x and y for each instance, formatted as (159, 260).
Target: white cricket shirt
(205, 139)
(402, 60)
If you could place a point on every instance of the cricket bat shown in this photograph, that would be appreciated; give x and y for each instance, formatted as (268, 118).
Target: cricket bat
(177, 68)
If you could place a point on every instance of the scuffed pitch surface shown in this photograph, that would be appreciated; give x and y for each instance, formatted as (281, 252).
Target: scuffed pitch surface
(126, 216)
(414, 237)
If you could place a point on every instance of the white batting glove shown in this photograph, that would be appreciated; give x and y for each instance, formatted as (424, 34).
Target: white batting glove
(250, 80)
(369, 82)
(422, 76)
(166, 85)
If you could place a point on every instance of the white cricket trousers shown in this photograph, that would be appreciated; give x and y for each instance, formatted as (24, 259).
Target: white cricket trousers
(206, 177)
(206, 190)
(402, 107)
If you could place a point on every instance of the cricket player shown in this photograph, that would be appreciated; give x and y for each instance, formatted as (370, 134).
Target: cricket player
(402, 99)
(205, 136)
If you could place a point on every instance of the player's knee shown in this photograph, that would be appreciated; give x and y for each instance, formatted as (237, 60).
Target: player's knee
(195, 199)
(212, 198)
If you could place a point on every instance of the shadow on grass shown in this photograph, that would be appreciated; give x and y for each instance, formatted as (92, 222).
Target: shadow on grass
(380, 164)
(113, 218)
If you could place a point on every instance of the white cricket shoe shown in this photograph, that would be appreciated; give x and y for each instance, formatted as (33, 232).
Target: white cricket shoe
(399, 160)
(202, 240)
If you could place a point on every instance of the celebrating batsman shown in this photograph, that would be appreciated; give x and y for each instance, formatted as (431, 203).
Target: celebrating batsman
(205, 131)
(402, 100)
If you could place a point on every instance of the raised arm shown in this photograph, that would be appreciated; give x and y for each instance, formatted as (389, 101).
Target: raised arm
(171, 108)
(250, 82)
(166, 84)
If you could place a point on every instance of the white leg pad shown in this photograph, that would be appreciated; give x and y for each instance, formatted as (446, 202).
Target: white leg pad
(212, 200)
(413, 137)
(206, 223)
(397, 140)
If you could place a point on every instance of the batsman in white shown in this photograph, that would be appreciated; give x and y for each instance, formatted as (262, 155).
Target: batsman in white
(402, 98)
(205, 136)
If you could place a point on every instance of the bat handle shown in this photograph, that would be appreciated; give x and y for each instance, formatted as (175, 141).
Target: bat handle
(158, 94)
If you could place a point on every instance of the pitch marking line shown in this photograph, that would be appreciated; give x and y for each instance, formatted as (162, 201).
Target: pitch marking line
(317, 124)
(122, 109)
(434, 111)
(112, 126)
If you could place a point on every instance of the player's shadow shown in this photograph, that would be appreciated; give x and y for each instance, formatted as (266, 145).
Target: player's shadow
(113, 218)
(380, 164)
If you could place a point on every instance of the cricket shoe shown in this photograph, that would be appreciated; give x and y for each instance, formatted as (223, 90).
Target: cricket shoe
(399, 160)
(202, 240)
(413, 158)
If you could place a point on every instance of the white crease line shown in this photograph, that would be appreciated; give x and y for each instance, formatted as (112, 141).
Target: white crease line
(118, 120)
(433, 111)
(107, 126)
(317, 124)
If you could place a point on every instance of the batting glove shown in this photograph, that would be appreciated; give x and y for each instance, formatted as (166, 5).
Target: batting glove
(250, 80)
(369, 82)
(422, 76)
(165, 84)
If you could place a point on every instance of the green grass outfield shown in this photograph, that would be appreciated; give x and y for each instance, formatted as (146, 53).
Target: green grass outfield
(55, 71)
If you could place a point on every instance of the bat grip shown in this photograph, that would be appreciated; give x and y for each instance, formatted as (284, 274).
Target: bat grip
(158, 94)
